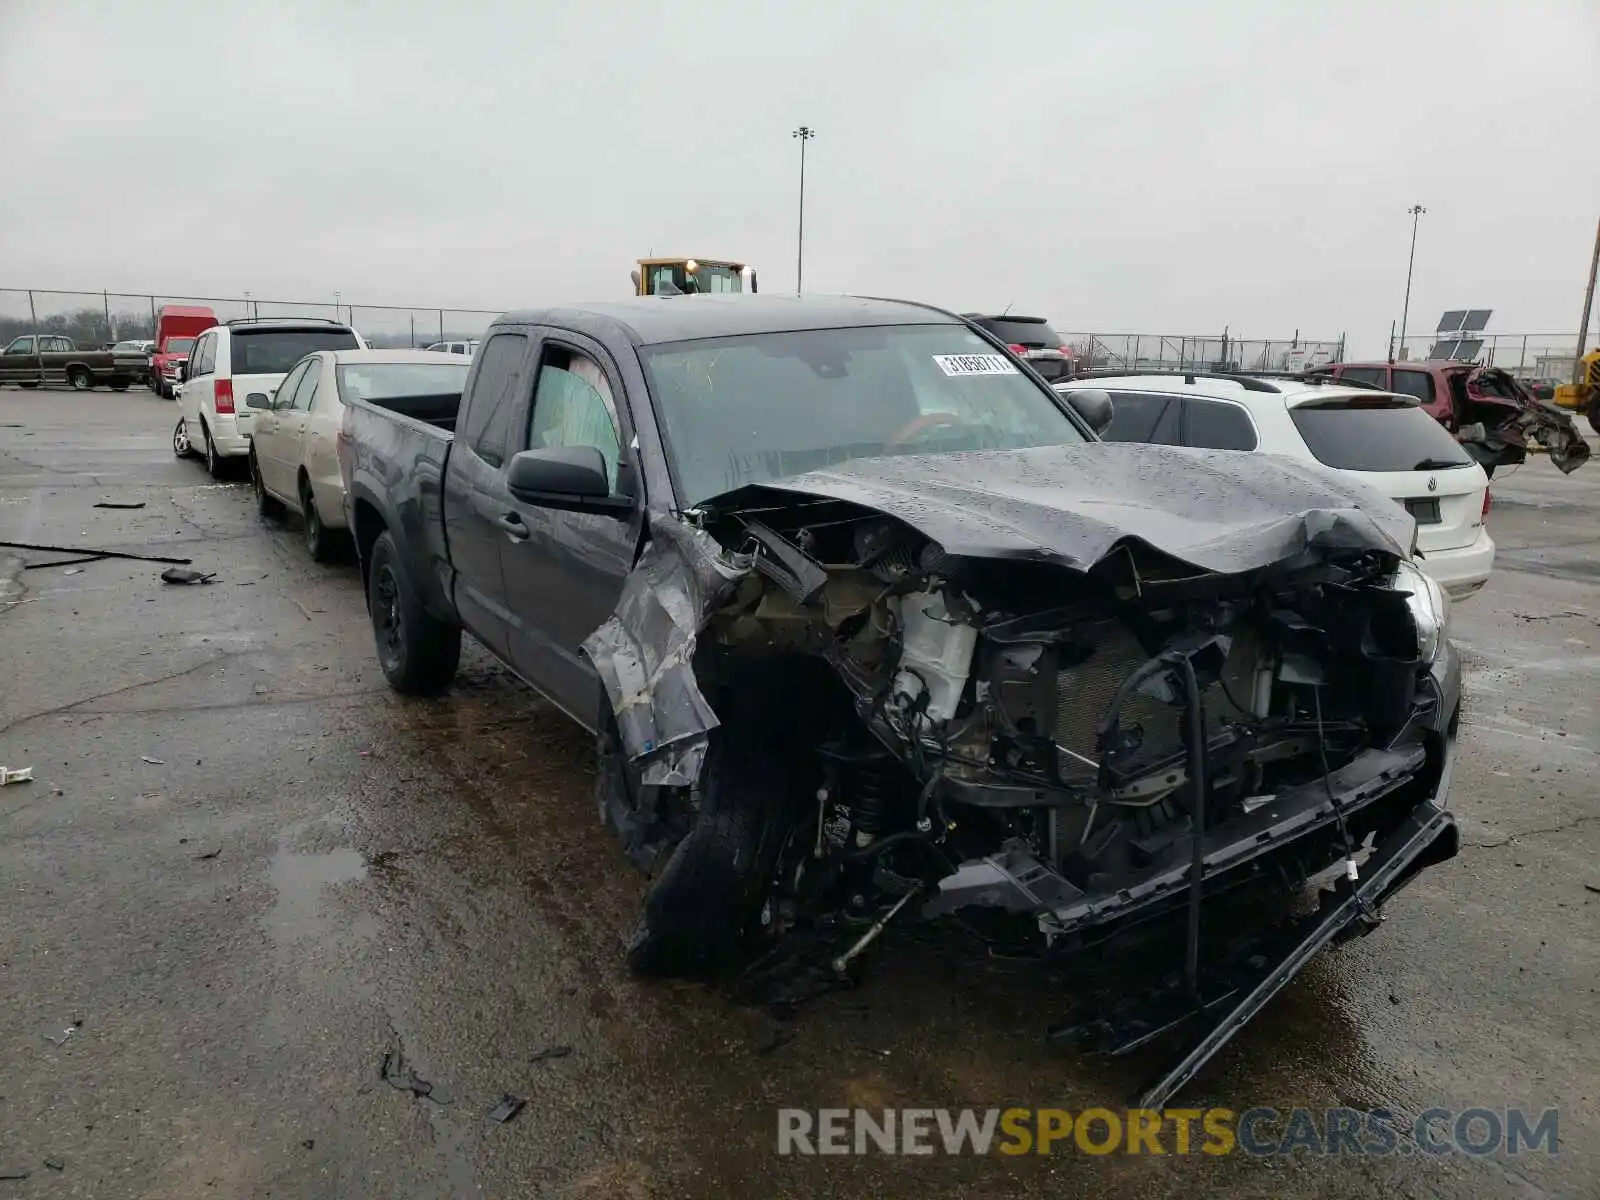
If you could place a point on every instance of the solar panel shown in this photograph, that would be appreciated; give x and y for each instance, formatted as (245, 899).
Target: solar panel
(1476, 319)
(1444, 349)
(1467, 350)
(1451, 321)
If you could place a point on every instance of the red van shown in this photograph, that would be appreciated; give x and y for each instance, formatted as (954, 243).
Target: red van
(177, 326)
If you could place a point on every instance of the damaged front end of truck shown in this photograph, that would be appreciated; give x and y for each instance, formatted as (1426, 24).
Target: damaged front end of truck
(1061, 695)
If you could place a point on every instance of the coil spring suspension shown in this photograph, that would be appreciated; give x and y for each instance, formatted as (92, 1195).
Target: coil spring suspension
(866, 785)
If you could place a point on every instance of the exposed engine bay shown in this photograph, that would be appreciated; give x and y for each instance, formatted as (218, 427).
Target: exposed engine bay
(1029, 739)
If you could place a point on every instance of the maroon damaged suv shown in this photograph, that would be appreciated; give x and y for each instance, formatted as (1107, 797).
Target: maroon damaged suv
(1490, 413)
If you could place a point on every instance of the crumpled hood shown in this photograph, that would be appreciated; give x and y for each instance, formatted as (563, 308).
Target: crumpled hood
(1218, 510)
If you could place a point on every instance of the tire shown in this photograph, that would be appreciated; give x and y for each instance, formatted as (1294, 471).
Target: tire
(180, 441)
(79, 380)
(216, 465)
(1594, 411)
(322, 543)
(418, 652)
(711, 907)
(30, 385)
(267, 505)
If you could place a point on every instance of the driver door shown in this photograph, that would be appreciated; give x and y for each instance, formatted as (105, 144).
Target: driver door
(564, 570)
(20, 362)
(268, 435)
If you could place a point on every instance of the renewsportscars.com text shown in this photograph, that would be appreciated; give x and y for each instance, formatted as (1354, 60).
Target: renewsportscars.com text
(1180, 1131)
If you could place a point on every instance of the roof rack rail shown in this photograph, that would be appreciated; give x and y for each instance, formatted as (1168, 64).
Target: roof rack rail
(297, 320)
(1246, 381)
(1250, 381)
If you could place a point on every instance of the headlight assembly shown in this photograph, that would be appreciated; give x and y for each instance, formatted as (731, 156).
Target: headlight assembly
(1429, 605)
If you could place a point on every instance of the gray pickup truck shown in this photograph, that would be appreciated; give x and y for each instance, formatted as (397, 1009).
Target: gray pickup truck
(869, 625)
(51, 358)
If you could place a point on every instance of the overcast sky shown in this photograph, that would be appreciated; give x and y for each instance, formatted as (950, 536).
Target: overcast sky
(1162, 166)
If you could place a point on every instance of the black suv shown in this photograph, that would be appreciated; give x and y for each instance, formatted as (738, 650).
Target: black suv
(1030, 338)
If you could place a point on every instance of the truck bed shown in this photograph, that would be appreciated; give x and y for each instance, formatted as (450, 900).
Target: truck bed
(437, 410)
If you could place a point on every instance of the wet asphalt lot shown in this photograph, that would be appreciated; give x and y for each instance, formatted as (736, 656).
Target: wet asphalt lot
(314, 873)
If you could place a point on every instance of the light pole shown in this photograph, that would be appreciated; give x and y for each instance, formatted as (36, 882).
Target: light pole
(1416, 211)
(336, 298)
(805, 133)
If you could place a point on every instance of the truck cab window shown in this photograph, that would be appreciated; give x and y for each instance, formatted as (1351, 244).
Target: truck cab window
(21, 345)
(497, 392)
(573, 406)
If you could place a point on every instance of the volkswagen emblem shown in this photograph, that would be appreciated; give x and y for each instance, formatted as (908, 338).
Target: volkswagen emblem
(1433, 483)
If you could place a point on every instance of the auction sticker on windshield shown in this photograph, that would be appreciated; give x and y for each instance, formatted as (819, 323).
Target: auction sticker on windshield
(974, 364)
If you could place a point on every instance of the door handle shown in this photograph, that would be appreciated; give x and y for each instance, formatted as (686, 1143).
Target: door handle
(513, 526)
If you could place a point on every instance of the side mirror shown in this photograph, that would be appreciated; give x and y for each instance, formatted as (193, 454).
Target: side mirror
(258, 400)
(183, 371)
(1094, 406)
(567, 478)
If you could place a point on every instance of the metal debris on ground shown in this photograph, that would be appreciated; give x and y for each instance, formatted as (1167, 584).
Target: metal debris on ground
(91, 554)
(120, 504)
(73, 571)
(550, 1052)
(208, 855)
(55, 1164)
(14, 1172)
(15, 775)
(154, 762)
(62, 1040)
(507, 1109)
(1592, 887)
(184, 575)
(397, 1074)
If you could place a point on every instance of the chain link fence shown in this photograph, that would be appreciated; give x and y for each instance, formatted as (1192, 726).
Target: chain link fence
(1209, 352)
(93, 319)
(1524, 355)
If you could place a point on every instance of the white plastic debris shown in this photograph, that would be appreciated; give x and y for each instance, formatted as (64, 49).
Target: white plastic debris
(19, 775)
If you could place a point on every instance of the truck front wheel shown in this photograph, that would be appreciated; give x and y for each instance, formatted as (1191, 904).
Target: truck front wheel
(418, 652)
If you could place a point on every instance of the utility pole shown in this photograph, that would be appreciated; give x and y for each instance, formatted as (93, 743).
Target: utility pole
(1416, 211)
(805, 133)
(1588, 301)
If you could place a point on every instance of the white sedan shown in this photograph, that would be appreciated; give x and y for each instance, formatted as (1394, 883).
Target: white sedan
(293, 458)
(1384, 439)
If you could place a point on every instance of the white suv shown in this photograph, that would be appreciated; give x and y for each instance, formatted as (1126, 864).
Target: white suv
(469, 348)
(227, 364)
(1384, 439)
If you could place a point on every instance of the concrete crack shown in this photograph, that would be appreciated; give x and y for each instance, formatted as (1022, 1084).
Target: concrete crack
(1512, 837)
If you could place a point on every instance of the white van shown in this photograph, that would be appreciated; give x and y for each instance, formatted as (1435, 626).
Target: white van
(228, 363)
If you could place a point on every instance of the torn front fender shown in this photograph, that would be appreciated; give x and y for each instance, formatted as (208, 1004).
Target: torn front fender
(644, 653)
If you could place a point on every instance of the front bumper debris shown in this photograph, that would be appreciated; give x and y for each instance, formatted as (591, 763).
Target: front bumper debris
(1235, 993)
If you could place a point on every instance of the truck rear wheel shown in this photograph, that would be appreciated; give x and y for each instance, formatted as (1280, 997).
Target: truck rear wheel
(418, 652)
(80, 379)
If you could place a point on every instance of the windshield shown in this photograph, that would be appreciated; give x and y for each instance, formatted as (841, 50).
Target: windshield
(743, 410)
(397, 380)
(129, 348)
(1351, 438)
(179, 345)
(665, 279)
(274, 351)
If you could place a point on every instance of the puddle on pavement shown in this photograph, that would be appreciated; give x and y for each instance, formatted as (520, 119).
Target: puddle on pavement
(300, 880)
